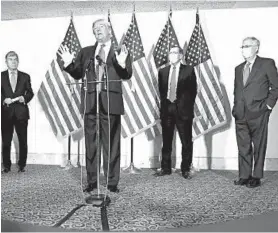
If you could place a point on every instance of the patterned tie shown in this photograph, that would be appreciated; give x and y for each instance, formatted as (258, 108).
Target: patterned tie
(99, 67)
(172, 95)
(246, 72)
(13, 80)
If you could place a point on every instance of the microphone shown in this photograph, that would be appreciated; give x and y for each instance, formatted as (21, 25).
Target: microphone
(100, 61)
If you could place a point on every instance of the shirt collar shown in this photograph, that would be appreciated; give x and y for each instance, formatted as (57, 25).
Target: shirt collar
(107, 44)
(10, 72)
(252, 62)
(177, 65)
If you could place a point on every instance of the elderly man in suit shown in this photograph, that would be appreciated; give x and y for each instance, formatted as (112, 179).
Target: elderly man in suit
(16, 93)
(178, 90)
(118, 65)
(255, 95)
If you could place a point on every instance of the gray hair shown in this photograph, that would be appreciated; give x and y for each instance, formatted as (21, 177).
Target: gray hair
(253, 39)
(11, 53)
(102, 20)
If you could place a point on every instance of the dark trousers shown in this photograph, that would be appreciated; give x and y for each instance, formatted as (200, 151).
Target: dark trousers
(91, 147)
(7, 130)
(248, 132)
(184, 127)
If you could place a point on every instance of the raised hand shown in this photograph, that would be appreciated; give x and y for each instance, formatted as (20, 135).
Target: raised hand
(65, 54)
(122, 55)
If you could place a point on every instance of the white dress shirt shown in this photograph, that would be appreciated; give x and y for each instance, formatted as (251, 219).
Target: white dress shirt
(106, 49)
(10, 75)
(170, 75)
(251, 63)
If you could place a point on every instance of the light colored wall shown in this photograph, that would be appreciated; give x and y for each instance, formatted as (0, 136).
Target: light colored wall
(37, 40)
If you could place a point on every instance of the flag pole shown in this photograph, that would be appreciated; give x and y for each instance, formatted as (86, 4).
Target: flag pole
(78, 154)
(199, 71)
(132, 169)
(69, 165)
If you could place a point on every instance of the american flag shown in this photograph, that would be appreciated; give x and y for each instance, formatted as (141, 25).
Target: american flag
(157, 59)
(208, 109)
(60, 102)
(139, 93)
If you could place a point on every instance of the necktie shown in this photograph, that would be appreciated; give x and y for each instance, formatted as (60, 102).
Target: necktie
(172, 95)
(246, 72)
(100, 69)
(13, 80)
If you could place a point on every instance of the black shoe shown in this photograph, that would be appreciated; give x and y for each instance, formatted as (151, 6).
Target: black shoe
(253, 183)
(6, 170)
(162, 173)
(241, 181)
(21, 169)
(186, 175)
(113, 189)
(90, 188)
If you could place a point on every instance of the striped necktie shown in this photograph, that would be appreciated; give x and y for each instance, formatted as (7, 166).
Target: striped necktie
(173, 82)
(246, 72)
(100, 69)
(13, 80)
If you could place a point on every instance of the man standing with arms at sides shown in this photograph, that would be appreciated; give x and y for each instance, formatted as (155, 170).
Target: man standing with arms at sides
(16, 93)
(178, 90)
(118, 67)
(255, 95)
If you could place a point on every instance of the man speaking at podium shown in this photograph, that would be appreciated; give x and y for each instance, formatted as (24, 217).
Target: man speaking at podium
(118, 66)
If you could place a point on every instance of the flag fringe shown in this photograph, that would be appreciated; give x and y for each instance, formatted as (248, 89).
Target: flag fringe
(210, 129)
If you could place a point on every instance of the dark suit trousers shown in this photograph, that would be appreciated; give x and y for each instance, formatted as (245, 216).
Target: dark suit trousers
(248, 132)
(184, 127)
(7, 130)
(91, 147)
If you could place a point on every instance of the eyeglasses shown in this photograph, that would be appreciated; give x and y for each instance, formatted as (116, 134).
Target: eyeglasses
(247, 46)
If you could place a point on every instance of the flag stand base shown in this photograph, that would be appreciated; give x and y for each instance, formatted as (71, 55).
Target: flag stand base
(68, 165)
(78, 164)
(132, 169)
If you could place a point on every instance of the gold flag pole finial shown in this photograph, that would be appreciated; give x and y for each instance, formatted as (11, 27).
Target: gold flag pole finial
(71, 15)
(170, 10)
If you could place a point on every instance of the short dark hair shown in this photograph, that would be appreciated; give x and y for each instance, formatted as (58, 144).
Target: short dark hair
(180, 49)
(11, 53)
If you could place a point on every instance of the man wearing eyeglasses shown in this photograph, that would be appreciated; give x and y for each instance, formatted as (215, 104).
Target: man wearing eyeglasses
(178, 90)
(255, 94)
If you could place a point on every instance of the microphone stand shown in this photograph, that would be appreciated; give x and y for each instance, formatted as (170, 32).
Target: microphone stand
(96, 200)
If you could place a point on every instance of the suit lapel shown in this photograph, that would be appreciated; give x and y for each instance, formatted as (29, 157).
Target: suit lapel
(110, 54)
(167, 71)
(239, 75)
(18, 81)
(92, 54)
(254, 70)
(182, 68)
(7, 81)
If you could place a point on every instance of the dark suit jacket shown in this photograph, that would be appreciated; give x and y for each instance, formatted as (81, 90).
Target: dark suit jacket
(115, 72)
(261, 89)
(186, 91)
(23, 88)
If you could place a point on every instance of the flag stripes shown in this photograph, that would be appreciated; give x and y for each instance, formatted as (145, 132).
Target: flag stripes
(56, 117)
(60, 102)
(208, 109)
(140, 97)
(42, 100)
